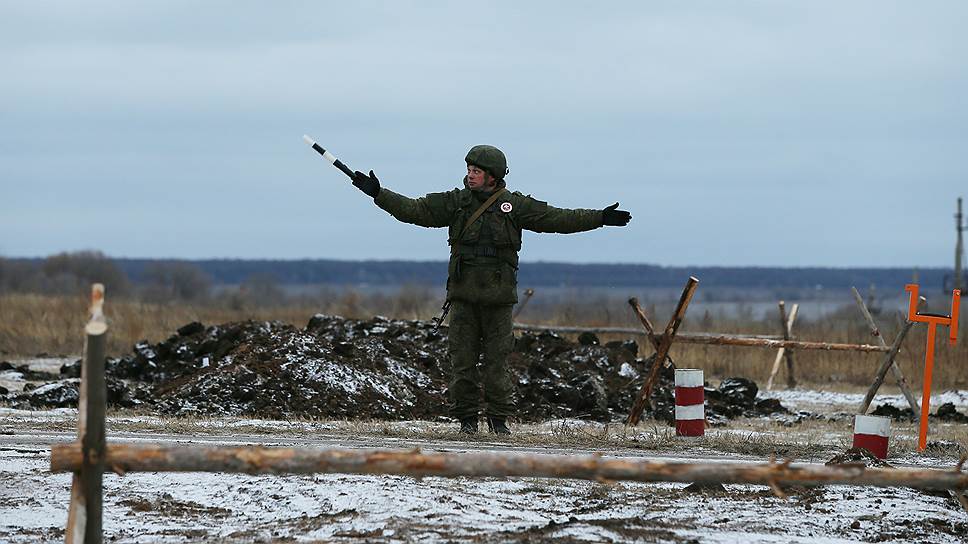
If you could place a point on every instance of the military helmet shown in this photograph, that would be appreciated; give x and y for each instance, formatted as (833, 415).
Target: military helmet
(488, 158)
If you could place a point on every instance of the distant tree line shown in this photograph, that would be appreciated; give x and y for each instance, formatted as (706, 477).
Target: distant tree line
(548, 274)
(195, 280)
(74, 272)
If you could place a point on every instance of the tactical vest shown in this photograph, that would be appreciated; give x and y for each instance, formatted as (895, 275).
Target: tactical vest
(484, 261)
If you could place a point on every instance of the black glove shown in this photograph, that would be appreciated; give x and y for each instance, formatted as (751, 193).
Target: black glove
(368, 184)
(614, 217)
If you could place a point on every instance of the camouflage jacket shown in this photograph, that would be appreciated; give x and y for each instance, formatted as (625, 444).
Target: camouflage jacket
(484, 261)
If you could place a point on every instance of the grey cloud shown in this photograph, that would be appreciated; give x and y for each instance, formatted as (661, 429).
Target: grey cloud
(720, 118)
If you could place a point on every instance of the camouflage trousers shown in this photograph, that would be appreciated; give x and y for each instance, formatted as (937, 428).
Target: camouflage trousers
(476, 330)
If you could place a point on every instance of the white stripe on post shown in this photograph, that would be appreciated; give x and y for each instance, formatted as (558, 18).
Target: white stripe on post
(875, 425)
(695, 411)
(689, 377)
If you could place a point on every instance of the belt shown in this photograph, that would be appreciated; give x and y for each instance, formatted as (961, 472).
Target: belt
(504, 254)
(475, 250)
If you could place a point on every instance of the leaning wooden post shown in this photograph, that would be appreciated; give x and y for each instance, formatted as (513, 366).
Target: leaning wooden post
(898, 375)
(791, 378)
(528, 293)
(787, 335)
(84, 516)
(776, 368)
(886, 364)
(664, 344)
(647, 325)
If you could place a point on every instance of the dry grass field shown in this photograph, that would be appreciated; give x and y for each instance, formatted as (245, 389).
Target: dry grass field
(36, 324)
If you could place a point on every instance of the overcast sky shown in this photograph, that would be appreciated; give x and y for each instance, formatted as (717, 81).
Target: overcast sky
(737, 133)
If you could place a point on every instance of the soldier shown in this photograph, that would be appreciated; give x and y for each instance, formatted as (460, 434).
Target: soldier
(485, 221)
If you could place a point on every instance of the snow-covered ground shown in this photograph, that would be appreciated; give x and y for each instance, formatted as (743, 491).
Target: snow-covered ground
(13, 380)
(192, 507)
(830, 401)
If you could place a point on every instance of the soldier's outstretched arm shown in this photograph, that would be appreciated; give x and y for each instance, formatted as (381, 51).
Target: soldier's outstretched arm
(432, 210)
(540, 216)
(614, 217)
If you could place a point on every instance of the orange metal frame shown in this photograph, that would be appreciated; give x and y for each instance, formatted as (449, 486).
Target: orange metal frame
(933, 320)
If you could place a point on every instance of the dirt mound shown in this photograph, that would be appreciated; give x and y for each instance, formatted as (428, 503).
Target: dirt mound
(24, 372)
(383, 369)
(945, 412)
(65, 394)
(333, 368)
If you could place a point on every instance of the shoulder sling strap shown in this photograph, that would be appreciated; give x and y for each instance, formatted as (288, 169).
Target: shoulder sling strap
(480, 211)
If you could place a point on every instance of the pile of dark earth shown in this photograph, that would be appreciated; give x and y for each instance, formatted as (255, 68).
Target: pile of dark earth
(376, 369)
(945, 412)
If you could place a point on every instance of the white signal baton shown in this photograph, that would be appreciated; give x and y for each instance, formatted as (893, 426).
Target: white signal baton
(329, 156)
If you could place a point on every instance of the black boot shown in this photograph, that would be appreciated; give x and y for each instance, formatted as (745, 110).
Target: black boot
(468, 425)
(498, 425)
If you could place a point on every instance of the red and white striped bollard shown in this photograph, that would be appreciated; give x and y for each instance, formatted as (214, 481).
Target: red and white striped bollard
(690, 403)
(872, 432)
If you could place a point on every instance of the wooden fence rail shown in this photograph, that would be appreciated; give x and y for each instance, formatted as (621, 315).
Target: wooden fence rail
(260, 460)
(762, 341)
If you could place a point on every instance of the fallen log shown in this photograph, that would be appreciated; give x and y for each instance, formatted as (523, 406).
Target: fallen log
(123, 458)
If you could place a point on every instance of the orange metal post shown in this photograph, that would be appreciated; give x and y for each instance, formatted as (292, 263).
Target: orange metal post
(953, 326)
(926, 394)
(933, 320)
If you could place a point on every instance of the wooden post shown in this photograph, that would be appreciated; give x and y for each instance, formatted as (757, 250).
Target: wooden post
(882, 371)
(528, 293)
(787, 323)
(775, 369)
(895, 369)
(84, 516)
(123, 458)
(668, 336)
(791, 378)
(647, 325)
